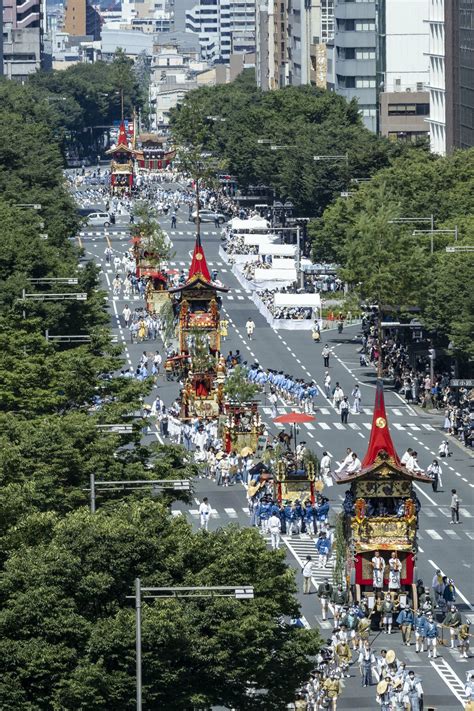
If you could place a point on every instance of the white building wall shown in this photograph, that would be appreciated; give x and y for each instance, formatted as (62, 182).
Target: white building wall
(407, 42)
(437, 85)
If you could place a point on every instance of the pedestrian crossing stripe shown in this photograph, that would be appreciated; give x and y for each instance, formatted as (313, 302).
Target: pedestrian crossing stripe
(429, 428)
(354, 426)
(434, 534)
(309, 426)
(367, 425)
(339, 426)
(398, 426)
(413, 427)
(324, 426)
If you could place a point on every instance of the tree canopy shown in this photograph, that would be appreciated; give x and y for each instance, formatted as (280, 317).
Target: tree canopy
(67, 626)
(385, 262)
(75, 649)
(229, 120)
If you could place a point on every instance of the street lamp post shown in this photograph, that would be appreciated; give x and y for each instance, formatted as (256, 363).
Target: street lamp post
(454, 232)
(157, 485)
(344, 157)
(238, 592)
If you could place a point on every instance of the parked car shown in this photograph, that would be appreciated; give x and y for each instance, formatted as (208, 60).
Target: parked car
(209, 216)
(101, 218)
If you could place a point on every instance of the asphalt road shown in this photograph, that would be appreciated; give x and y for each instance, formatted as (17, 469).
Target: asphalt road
(441, 545)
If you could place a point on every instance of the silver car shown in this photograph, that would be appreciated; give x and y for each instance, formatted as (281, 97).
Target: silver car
(209, 216)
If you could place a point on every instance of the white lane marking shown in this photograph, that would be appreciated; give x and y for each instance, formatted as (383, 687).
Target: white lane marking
(353, 426)
(367, 425)
(428, 427)
(450, 678)
(176, 513)
(398, 426)
(412, 426)
(465, 513)
(433, 503)
(309, 426)
(232, 513)
(339, 426)
(451, 534)
(434, 534)
(324, 426)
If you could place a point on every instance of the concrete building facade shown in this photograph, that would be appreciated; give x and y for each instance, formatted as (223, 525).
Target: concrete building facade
(224, 27)
(22, 37)
(378, 48)
(82, 19)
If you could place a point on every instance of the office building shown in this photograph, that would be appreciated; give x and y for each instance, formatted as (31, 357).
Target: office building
(291, 39)
(224, 27)
(379, 48)
(21, 38)
(462, 135)
(82, 19)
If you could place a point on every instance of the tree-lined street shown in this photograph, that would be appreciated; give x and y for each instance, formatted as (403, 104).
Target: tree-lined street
(298, 355)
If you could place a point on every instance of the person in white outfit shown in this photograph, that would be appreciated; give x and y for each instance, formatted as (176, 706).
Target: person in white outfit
(357, 397)
(325, 465)
(204, 513)
(274, 526)
(348, 460)
(355, 465)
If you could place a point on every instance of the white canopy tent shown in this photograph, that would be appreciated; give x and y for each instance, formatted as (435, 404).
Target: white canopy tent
(275, 274)
(254, 223)
(302, 300)
(256, 240)
(283, 263)
(277, 250)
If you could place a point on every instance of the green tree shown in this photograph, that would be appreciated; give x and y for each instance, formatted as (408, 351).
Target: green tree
(228, 121)
(238, 389)
(147, 227)
(80, 630)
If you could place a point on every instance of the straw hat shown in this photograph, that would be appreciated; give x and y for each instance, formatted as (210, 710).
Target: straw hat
(246, 451)
(390, 656)
(382, 687)
(219, 455)
(397, 684)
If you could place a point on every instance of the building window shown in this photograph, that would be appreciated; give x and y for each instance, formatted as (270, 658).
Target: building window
(408, 109)
(365, 82)
(368, 111)
(364, 26)
(365, 53)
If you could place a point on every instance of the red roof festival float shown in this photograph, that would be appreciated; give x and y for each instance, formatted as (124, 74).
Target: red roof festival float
(121, 166)
(380, 517)
(196, 304)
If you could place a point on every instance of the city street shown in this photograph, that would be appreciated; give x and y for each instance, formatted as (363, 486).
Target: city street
(295, 353)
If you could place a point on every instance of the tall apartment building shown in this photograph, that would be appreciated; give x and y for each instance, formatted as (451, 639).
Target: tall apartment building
(224, 27)
(21, 37)
(291, 37)
(451, 82)
(82, 19)
(380, 49)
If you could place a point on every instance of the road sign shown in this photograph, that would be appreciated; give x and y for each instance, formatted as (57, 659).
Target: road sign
(460, 383)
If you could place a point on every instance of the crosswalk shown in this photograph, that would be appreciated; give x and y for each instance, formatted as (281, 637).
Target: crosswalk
(339, 426)
(113, 234)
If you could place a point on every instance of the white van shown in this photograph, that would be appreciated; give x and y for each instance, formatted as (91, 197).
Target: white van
(99, 218)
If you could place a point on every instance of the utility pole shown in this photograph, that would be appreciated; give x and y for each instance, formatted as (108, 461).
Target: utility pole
(92, 497)
(138, 641)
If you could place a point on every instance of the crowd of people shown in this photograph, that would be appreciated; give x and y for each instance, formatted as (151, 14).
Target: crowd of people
(436, 620)
(298, 313)
(415, 383)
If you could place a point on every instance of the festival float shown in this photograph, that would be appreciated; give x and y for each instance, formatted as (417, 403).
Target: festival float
(380, 517)
(240, 427)
(296, 475)
(121, 166)
(148, 248)
(196, 306)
